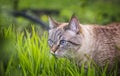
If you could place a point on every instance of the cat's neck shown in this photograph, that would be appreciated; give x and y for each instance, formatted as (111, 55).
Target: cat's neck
(85, 51)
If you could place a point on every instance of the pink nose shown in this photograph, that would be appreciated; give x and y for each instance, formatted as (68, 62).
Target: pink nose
(53, 49)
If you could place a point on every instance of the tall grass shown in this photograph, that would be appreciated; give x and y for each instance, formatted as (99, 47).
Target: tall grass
(31, 57)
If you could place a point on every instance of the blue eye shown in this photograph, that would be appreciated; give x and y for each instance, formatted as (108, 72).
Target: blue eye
(63, 42)
(50, 42)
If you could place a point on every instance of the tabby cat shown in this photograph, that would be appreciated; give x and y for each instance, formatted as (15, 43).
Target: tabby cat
(84, 43)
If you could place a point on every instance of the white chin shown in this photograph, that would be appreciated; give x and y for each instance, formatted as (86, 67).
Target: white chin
(59, 54)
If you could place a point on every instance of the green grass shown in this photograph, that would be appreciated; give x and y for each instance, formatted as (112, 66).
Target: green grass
(31, 57)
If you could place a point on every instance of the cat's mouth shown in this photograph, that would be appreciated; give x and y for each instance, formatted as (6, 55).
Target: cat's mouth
(56, 54)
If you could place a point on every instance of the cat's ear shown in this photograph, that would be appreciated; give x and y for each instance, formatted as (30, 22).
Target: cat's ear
(74, 24)
(52, 23)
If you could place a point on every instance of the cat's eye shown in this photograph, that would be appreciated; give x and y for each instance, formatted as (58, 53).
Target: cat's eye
(50, 42)
(63, 42)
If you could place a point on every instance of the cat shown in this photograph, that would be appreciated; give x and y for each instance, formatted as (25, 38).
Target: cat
(85, 43)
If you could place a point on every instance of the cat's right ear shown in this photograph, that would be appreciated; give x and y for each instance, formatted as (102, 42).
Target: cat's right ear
(52, 23)
(74, 25)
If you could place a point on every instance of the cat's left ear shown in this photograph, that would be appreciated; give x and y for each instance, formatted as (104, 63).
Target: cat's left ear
(74, 24)
(52, 23)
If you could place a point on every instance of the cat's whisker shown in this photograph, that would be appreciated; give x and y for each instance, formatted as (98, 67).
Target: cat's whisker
(52, 52)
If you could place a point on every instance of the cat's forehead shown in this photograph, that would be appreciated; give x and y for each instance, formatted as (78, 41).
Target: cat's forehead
(55, 31)
(59, 28)
(62, 25)
(55, 34)
(58, 32)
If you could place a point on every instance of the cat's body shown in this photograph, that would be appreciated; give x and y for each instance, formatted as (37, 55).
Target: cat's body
(107, 44)
(84, 43)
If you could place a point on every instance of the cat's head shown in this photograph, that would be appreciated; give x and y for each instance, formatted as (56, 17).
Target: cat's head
(64, 38)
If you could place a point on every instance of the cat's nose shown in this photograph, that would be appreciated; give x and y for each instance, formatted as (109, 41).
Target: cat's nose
(53, 49)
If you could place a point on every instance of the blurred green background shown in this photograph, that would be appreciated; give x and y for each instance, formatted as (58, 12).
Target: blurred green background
(87, 11)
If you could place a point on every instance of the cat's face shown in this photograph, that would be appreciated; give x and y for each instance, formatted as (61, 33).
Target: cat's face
(64, 38)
